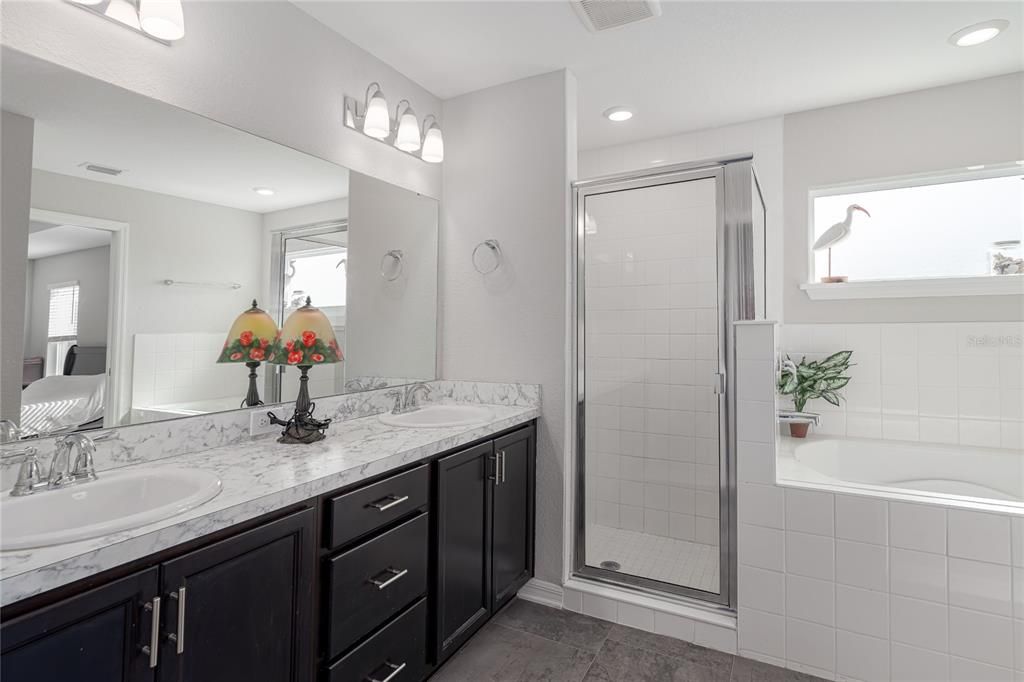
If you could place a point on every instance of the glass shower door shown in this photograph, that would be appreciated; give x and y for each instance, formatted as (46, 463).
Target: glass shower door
(651, 357)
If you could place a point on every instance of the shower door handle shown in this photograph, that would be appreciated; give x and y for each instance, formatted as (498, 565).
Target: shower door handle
(718, 383)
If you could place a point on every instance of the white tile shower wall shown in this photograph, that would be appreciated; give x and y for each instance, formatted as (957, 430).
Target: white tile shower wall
(942, 383)
(176, 368)
(651, 349)
(868, 589)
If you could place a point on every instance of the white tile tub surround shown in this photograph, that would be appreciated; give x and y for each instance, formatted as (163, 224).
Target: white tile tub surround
(651, 349)
(178, 368)
(960, 383)
(919, 591)
(158, 440)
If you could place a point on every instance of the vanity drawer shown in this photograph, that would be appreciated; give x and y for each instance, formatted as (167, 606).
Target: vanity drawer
(372, 582)
(398, 653)
(362, 511)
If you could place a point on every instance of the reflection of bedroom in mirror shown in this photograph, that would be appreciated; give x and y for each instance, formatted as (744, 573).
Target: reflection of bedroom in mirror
(153, 228)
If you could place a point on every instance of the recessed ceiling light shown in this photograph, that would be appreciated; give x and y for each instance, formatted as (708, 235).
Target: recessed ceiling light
(976, 34)
(657, 160)
(264, 191)
(618, 114)
(978, 167)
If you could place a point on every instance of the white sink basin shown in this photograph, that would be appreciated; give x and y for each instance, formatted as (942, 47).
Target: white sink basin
(117, 501)
(439, 416)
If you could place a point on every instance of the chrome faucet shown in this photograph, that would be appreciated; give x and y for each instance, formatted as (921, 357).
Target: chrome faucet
(30, 478)
(794, 417)
(406, 400)
(64, 471)
(9, 431)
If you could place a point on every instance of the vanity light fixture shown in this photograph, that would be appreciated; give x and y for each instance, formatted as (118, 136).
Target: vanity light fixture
(404, 131)
(264, 191)
(408, 136)
(979, 33)
(618, 114)
(161, 20)
(377, 122)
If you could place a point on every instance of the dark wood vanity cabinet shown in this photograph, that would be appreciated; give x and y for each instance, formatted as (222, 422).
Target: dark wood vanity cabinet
(237, 609)
(242, 608)
(378, 581)
(485, 509)
(95, 636)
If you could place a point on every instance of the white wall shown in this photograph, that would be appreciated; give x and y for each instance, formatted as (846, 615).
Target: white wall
(762, 138)
(264, 67)
(15, 182)
(950, 127)
(511, 325)
(391, 327)
(91, 269)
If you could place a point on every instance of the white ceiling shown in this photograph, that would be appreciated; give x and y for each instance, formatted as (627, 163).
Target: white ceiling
(46, 239)
(701, 64)
(160, 148)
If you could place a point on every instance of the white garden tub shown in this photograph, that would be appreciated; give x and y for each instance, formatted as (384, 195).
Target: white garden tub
(952, 474)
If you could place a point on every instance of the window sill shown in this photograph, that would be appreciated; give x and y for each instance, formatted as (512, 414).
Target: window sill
(1003, 285)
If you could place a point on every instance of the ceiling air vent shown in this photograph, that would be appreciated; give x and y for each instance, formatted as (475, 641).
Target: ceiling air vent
(105, 170)
(601, 15)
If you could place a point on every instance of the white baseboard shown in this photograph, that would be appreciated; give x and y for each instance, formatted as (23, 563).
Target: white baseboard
(542, 592)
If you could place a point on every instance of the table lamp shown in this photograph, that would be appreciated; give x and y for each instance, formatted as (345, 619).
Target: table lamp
(306, 339)
(250, 340)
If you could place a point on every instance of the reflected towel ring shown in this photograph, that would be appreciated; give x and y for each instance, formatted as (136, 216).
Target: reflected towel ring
(398, 257)
(495, 248)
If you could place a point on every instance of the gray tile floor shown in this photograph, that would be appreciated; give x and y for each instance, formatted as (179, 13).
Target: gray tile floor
(527, 641)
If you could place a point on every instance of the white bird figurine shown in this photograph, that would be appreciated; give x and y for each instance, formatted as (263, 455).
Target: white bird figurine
(834, 235)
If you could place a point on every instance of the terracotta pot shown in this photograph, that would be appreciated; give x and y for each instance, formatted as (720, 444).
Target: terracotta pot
(798, 430)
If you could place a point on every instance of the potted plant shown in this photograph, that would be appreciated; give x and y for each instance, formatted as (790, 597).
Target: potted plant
(810, 379)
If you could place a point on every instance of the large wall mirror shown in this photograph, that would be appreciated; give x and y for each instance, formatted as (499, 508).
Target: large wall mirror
(152, 229)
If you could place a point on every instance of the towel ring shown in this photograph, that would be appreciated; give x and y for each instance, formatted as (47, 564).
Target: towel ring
(495, 248)
(398, 257)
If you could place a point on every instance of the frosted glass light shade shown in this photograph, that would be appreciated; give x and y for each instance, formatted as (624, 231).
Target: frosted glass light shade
(250, 338)
(408, 138)
(378, 121)
(87, 2)
(433, 145)
(306, 338)
(162, 19)
(124, 12)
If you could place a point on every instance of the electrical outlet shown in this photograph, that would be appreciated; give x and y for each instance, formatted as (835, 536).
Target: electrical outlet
(259, 424)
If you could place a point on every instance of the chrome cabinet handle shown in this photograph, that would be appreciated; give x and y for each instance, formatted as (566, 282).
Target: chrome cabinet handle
(502, 466)
(385, 503)
(179, 637)
(395, 669)
(153, 648)
(395, 575)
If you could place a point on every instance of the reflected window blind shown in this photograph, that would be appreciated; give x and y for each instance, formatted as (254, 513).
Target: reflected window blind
(63, 312)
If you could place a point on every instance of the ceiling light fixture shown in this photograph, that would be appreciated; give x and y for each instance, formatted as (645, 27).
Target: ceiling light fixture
(404, 132)
(978, 167)
(976, 34)
(161, 20)
(264, 191)
(618, 114)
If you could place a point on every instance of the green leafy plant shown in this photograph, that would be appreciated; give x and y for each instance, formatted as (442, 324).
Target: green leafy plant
(812, 379)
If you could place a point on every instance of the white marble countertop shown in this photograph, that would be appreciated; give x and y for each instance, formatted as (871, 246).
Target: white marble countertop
(259, 476)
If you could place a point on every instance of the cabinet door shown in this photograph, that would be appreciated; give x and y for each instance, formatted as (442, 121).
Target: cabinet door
(241, 609)
(512, 543)
(96, 636)
(463, 546)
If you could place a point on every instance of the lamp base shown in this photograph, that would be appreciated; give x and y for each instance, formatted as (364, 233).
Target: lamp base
(252, 398)
(302, 427)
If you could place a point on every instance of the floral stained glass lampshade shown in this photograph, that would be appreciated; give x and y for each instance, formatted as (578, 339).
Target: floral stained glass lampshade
(250, 340)
(306, 339)
(250, 337)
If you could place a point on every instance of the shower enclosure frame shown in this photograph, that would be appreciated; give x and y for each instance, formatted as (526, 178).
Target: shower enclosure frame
(735, 186)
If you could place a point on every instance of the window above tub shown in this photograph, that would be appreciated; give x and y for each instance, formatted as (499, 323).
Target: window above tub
(954, 233)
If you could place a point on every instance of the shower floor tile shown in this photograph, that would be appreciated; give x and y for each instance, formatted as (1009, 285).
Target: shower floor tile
(652, 556)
